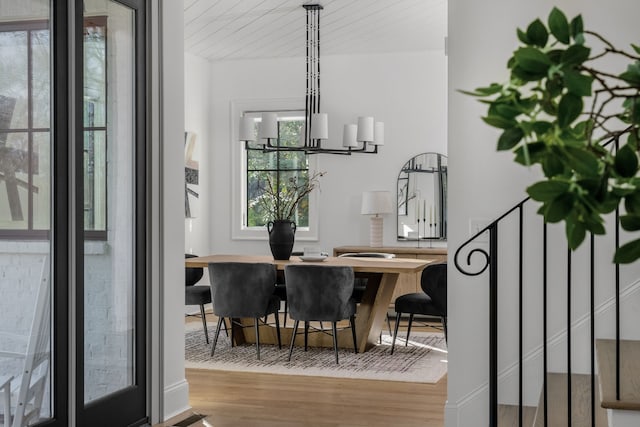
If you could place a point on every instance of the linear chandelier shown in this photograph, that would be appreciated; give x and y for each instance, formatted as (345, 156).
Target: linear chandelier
(363, 137)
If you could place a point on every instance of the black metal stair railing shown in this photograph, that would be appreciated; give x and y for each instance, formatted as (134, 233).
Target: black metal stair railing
(474, 258)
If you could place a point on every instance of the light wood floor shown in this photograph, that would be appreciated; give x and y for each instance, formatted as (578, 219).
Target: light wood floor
(240, 399)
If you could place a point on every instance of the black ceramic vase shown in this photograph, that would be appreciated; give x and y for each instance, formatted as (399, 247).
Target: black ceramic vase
(281, 238)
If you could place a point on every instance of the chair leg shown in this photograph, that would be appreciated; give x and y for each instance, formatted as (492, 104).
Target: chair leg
(285, 313)
(306, 334)
(278, 329)
(232, 336)
(409, 329)
(444, 326)
(388, 326)
(226, 332)
(335, 339)
(256, 324)
(215, 338)
(352, 320)
(204, 323)
(293, 338)
(395, 331)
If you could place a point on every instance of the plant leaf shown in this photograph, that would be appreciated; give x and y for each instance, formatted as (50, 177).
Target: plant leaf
(628, 253)
(576, 233)
(499, 122)
(545, 191)
(527, 154)
(626, 162)
(552, 166)
(630, 222)
(577, 26)
(578, 84)
(569, 109)
(632, 109)
(522, 36)
(542, 127)
(505, 110)
(632, 75)
(517, 72)
(583, 162)
(575, 54)
(510, 138)
(636, 48)
(559, 208)
(537, 34)
(532, 60)
(559, 25)
(632, 203)
(492, 89)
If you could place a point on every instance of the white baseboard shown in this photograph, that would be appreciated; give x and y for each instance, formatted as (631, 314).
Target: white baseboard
(620, 418)
(450, 414)
(176, 399)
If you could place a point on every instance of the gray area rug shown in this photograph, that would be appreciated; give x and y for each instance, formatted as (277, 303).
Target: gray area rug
(424, 359)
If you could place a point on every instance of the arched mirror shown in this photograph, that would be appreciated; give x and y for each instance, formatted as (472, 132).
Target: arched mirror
(422, 198)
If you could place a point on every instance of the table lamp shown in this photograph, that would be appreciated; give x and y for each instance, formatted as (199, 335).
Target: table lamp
(375, 203)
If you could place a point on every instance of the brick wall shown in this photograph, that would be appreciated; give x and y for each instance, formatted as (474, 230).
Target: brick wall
(108, 312)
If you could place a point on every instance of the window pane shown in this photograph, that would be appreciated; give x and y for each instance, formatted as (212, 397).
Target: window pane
(94, 75)
(287, 182)
(13, 79)
(40, 79)
(257, 160)
(109, 267)
(258, 212)
(293, 160)
(14, 166)
(41, 185)
(25, 274)
(290, 132)
(280, 168)
(95, 185)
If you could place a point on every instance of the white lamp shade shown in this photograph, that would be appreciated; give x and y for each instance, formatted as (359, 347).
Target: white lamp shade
(365, 129)
(319, 126)
(269, 126)
(247, 129)
(378, 134)
(349, 136)
(376, 202)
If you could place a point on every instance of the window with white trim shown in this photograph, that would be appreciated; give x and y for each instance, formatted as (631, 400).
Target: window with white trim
(259, 167)
(25, 126)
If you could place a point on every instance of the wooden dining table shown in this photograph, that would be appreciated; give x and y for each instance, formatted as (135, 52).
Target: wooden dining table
(381, 274)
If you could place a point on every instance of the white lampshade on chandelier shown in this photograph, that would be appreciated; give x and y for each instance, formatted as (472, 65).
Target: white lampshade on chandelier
(363, 137)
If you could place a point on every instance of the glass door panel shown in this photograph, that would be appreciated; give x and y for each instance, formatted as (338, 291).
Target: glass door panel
(25, 211)
(109, 117)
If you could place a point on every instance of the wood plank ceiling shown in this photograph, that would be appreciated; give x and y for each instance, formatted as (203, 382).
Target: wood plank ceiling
(220, 30)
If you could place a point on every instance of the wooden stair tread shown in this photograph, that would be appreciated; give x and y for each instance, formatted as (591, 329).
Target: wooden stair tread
(629, 374)
(508, 415)
(580, 402)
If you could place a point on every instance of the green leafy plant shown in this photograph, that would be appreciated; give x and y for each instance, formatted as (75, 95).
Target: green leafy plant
(281, 201)
(579, 122)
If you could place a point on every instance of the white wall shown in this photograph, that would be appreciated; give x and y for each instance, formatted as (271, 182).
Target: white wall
(170, 247)
(197, 119)
(406, 91)
(484, 183)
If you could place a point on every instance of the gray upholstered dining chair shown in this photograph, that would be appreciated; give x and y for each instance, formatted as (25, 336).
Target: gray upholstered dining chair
(243, 290)
(432, 301)
(194, 294)
(320, 293)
